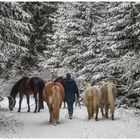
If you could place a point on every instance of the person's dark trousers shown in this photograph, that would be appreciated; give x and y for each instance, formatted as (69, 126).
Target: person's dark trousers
(70, 108)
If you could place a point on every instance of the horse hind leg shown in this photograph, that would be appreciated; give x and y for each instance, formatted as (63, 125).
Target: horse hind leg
(50, 117)
(112, 113)
(35, 96)
(50, 111)
(89, 113)
(28, 103)
(106, 110)
(97, 110)
(102, 111)
(20, 101)
(40, 97)
(112, 110)
(112, 116)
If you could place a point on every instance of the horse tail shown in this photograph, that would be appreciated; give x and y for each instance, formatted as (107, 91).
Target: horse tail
(55, 90)
(94, 102)
(95, 99)
(55, 102)
(111, 99)
(87, 97)
(98, 95)
(41, 95)
(44, 94)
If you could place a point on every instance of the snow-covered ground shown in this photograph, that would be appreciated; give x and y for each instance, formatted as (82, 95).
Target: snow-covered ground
(36, 125)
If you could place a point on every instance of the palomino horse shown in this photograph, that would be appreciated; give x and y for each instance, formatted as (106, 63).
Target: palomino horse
(109, 93)
(92, 99)
(27, 86)
(54, 95)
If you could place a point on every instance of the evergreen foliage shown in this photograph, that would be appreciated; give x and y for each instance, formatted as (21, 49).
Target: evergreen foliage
(14, 34)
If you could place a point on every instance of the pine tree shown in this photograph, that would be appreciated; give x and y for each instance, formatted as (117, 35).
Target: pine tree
(79, 35)
(123, 26)
(42, 23)
(14, 34)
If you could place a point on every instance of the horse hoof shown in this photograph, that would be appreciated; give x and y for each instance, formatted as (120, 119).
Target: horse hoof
(106, 117)
(112, 118)
(54, 123)
(18, 111)
(28, 110)
(96, 119)
(35, 111)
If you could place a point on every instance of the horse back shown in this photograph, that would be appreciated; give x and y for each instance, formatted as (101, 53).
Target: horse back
(53, 94)
(104, 91)
(48, 90)
(56, 95)
(88, 96)
(24, 86)
(37, 84)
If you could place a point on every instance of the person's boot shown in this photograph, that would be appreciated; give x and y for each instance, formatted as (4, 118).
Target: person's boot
(70, 115)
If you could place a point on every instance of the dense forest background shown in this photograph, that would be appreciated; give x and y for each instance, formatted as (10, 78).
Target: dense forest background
(93, 40)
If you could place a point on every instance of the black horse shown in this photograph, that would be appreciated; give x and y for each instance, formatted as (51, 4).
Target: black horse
(27, 86)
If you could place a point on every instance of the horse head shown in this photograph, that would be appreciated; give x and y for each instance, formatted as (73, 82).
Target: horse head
(12, 102)
(59, 79)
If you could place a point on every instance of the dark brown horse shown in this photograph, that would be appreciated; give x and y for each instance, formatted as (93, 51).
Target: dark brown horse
(27, 86)
(54, 95)
(60, 80)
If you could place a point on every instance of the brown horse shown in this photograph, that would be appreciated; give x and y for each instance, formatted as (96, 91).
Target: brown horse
(109, 93)
(54, 95)
(92, 99)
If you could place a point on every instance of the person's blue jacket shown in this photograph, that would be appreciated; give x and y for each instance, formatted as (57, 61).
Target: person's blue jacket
(71, 89)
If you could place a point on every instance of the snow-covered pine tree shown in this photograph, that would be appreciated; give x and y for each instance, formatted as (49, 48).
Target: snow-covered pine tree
(94, 42)
(124, 45)
(42, 23)
(41, 41)
(78, 34)
(123, 25)
(14, 36)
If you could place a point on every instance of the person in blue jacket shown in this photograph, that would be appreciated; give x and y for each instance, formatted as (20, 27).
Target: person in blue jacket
(71, 89)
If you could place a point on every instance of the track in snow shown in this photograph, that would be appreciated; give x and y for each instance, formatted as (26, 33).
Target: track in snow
(36, 125)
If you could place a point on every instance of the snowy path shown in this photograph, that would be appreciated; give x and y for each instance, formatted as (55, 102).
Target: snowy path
(36, 125)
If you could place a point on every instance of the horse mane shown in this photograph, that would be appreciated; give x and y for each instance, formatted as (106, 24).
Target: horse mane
(16, 87)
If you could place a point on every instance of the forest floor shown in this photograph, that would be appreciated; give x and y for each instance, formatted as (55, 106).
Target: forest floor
(36, 125)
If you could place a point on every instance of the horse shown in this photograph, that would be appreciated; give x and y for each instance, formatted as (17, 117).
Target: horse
(60, 79)
(53, 95)
(92, 99)
(109, 93)
(27, 86)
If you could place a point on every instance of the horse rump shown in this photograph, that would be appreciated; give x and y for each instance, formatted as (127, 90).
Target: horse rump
(109, 93)
(91, 99)
(53, 96)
